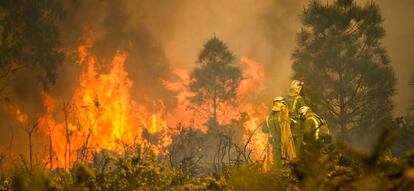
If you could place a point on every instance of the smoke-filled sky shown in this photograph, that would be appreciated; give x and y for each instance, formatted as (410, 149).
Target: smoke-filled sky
(162, 35)
(261, 30)
(399, 42)
(264, 31)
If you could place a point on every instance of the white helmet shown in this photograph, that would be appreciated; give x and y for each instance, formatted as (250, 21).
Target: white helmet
(279, 103)
(303, 110)
(280, 99)
(295, 84)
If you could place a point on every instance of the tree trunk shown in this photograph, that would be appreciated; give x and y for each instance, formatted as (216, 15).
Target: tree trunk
(30, 150)
(50, 151)
(11, 142)
(67, 143)
(215, 107)
(342, 113)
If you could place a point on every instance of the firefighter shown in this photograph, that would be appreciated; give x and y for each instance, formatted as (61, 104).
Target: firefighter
(315, 131)
(295, 101)
(277, 125)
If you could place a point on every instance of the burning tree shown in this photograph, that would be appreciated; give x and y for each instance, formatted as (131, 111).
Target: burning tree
(345, 67)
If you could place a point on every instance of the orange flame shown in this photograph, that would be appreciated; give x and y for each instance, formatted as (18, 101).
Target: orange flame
(103, 102)
(103, 116)
(195, 116)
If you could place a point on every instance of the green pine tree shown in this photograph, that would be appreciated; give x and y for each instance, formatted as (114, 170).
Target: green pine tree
(216, 79)
(348, 78)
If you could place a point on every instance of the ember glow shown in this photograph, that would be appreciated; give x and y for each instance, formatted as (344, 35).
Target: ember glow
(20, 116)
(16, 112)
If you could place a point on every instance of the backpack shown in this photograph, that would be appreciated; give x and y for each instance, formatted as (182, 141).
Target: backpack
(321, 127)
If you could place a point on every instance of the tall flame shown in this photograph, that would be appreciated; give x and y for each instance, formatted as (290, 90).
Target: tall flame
(101, 114)
(103, 102)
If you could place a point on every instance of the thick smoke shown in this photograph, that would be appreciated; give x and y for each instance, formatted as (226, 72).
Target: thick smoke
(115, 29)
(159, 36)
(164, 35)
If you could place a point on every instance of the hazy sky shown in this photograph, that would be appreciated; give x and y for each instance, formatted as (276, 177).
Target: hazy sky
(399, 42)
(264, 31)
(161, 35)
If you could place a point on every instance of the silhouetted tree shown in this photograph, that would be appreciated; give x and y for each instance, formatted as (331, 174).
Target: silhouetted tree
(216, 79)
(346, 70)
(412, 84)
(30, 129)
(29, 38)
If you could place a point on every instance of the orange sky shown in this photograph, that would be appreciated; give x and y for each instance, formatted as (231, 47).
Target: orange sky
(175, 31)
(265, 31)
